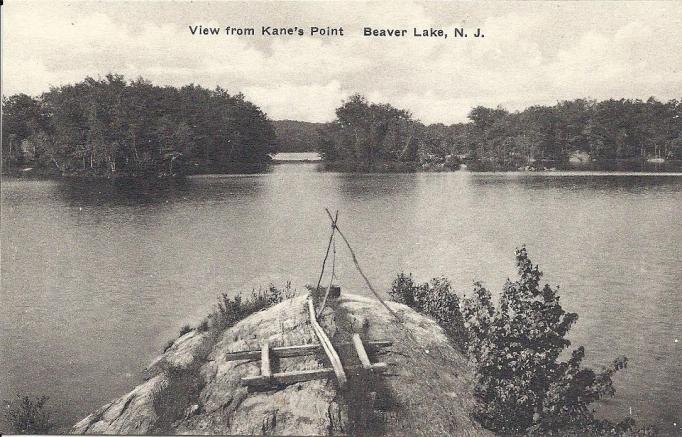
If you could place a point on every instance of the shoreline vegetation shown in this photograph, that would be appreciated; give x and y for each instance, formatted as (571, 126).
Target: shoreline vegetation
(521, 387)
(629, 135)
(519, 384)
(110, 128)
(116, 129)
(514, 346)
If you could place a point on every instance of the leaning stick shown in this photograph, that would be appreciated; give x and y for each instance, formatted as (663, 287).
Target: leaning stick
(355, 261)
(331, 281)
(328, 348)
(331, 237)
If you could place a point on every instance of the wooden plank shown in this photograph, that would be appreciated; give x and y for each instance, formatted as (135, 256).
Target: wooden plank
(265, 361)
(280, 352)
(300, 376)
(362, 354)
(374, 345)
(328, 348)
(379, 367)
(288, 377)
(300, 350)
(297, 351)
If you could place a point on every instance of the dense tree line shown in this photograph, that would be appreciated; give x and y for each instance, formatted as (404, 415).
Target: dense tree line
(610, 129)
(110, 126)
(582, 130)
(369, 133)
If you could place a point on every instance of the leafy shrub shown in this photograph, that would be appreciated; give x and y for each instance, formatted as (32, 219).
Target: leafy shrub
(515, 346)
(28, 415)
(435, 299)
(168, 345)
(185, 329)
(403, 289)
(203, 326)
(230, 310)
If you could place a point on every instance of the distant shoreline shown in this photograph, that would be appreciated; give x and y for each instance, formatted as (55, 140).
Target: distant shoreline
(485, 167)
(348, 167)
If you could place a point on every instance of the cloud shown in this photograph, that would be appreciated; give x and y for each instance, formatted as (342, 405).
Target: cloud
(298, 102)
(532, 53)
(632, 62)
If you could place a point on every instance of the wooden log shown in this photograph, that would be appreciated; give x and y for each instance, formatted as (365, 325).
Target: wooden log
(265, 361)
(300, 376)
(288, 377)
(328, 348)
(280, 352)
(362, 354)
(379, 367)
(301, 350)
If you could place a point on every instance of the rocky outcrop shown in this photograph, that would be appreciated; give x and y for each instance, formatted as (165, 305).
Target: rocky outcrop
(193, 389)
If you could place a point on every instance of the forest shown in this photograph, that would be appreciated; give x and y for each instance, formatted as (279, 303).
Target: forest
(570, 132)
(296, 136)
(113, 127)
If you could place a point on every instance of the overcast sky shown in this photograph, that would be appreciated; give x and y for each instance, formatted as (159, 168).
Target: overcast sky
(532, 53)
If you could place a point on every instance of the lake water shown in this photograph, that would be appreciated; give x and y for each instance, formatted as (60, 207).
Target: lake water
(95, 279)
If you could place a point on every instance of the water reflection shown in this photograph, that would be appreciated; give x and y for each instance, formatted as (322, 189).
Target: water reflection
(223, 187)
(105, 192)
(146, 192)
(635, 182)
(367, 186)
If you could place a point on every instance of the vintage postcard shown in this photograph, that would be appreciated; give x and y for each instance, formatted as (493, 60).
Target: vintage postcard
(341, 218)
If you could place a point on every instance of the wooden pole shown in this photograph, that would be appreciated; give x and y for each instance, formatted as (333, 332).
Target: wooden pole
(331, 280)
(357, 265)
(299, 376)
(327, 346)
(265, 370)
(331, 237)
(362, 353)
(300, 350)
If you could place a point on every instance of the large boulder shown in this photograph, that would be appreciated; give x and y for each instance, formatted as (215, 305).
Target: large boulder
(193, 389)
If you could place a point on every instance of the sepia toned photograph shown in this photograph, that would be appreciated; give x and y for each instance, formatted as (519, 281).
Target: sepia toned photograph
(306, 218)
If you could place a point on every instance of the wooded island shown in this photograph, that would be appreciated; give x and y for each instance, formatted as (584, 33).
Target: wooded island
(109, 127)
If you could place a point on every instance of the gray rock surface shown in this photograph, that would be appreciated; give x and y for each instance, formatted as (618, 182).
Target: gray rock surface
(193, 389)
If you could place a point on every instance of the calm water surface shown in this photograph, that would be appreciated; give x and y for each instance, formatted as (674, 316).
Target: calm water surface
(95, 279)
